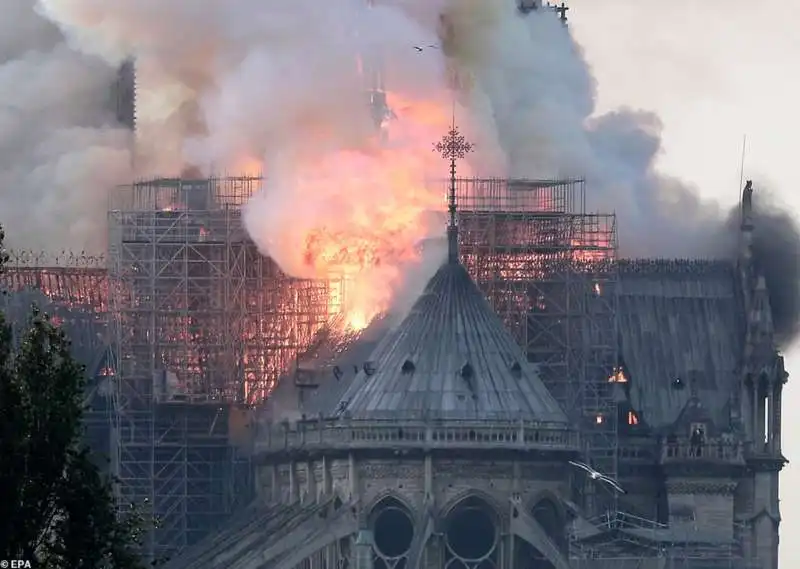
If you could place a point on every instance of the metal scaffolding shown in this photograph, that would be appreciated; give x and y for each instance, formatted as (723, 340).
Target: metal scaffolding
(202, 323)
(548, 269)
(618, 540)
(73, 290)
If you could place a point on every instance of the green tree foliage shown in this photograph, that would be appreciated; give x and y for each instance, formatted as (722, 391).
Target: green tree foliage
(56, 508)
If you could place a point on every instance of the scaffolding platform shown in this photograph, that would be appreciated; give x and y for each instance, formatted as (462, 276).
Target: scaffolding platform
(203, 324)
(619, 540)
(548, 268)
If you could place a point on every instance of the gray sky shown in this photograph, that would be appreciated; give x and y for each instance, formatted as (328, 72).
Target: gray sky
(713, 71)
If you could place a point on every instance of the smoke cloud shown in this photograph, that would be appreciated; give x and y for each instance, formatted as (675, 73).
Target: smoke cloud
(776, 255)
(541, 95)
(282, 88)
(60, 150)
(247, 85)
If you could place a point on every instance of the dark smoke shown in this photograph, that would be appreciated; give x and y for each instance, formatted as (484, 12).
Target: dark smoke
(541, 94)
(776, 255)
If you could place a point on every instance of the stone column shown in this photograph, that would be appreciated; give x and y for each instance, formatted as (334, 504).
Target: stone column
(778, 416)
(363, 550)
(311, 482)
(293, 486)
(327, 488)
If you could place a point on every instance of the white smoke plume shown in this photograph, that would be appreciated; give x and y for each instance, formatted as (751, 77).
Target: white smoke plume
(281, 87)
(60, 150)
(245, 80)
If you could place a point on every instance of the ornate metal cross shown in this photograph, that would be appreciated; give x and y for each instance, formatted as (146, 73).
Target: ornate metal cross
(453, 146)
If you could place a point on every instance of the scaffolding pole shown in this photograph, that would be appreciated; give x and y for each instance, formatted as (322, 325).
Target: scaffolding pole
(203, 324)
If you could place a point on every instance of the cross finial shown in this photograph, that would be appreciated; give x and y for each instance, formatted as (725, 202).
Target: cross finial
(561, 11)
(453, 147)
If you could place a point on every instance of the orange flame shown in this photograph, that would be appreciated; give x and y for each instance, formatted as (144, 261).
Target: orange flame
(248, 166)
(361, 213)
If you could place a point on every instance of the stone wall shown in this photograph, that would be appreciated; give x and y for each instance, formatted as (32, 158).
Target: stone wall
(705, 505)
(371, 479)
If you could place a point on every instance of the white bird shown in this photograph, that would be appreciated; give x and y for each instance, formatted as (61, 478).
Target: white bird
(594, 475)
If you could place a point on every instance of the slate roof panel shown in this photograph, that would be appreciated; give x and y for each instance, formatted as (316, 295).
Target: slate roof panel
(680, 320)
(451, 325)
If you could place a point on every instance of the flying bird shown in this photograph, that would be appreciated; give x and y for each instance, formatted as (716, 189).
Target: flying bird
(594, 475)
(419, 49)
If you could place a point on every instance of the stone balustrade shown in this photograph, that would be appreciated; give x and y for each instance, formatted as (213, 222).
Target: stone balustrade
(712, 449)
(353, 434)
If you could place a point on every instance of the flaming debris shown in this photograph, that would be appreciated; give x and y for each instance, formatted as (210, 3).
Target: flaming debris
(617, 376)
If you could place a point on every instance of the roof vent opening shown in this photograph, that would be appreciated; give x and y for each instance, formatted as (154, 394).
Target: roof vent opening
(516, 369)
(369, 368)
(408, 367)
(467, 372)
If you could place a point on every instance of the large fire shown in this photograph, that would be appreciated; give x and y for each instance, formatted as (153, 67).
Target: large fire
(363, 211)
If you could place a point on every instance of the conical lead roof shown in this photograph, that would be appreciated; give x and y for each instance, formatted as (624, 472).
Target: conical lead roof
(450, 358)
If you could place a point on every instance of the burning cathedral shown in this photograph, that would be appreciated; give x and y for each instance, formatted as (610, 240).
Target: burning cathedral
(544, 404)
(628, 416)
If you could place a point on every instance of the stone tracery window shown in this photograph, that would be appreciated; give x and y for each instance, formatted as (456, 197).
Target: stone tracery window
(472, 536)
(393, 532)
